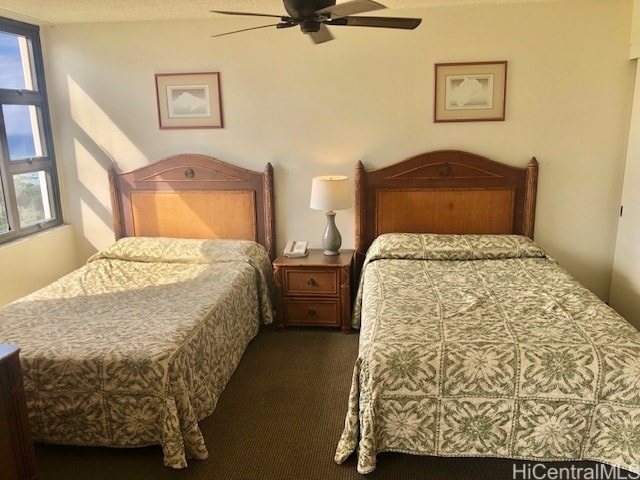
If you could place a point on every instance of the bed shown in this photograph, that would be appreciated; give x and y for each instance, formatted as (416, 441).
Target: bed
(135, 347)
(474, 342)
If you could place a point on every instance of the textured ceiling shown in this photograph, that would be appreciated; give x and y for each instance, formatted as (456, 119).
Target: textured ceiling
(80, 11)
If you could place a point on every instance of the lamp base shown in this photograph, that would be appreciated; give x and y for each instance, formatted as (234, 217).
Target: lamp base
(331, 240)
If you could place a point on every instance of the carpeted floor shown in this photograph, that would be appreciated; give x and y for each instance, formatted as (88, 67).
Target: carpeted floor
(279, 418)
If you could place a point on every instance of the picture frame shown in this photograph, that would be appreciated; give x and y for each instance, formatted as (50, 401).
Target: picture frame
(189, 100)
(470, 92)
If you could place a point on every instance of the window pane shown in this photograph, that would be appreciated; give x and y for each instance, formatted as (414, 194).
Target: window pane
(32, 196)
(15, 68)
(23, 131)
(4, 224)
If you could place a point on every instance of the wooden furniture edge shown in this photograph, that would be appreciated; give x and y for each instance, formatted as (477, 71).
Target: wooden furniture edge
(114, 193)
(21, 456)
(269, 211)
(531, 194)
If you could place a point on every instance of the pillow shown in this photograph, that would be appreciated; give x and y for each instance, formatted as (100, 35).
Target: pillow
(432, 246)
(180, 250)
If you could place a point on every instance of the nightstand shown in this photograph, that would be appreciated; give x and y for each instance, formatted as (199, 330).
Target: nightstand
(314, 290)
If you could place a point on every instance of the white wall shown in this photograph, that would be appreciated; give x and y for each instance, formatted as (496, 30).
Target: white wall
(317, 109)
(33, 262)
(625, 281)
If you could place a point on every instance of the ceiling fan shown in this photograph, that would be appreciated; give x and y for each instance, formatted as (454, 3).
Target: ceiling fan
(314, 16)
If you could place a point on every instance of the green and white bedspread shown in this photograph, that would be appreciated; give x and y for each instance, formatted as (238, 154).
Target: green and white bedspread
(484, 346)
(135, 347)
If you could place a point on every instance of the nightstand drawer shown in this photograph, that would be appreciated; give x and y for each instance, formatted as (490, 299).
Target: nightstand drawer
(312, 312)
(310, 281)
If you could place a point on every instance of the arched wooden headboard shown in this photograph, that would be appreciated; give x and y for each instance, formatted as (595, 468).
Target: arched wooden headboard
(445, 191)
(194, 196)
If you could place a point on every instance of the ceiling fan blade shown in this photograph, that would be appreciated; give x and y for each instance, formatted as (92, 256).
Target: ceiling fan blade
(250, 14)
(277, 25)
(321, 36)
(288, 24)
(381, 22)
(350, 8)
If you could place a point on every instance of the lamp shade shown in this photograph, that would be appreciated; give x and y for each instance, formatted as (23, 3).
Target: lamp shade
(330, 192)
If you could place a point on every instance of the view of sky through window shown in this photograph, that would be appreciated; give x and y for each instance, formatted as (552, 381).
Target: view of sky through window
(19, 120)
(22, 131)
(11, 67)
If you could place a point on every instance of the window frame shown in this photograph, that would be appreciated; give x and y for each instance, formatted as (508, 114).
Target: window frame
(46, 162)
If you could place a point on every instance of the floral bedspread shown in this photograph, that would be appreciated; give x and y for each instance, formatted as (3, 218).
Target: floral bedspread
(135, 347)
(484, 346)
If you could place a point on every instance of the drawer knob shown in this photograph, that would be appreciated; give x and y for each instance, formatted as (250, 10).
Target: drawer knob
(311, 282)
(312, 312)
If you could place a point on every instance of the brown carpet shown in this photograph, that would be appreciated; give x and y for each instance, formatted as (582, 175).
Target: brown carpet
(279, 418)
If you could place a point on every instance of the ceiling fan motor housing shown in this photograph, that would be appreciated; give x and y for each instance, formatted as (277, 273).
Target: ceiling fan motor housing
(303, 9)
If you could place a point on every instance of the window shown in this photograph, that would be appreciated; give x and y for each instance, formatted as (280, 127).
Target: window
(29, 198)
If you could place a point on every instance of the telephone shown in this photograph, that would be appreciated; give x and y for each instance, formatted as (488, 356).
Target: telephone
(296, 249)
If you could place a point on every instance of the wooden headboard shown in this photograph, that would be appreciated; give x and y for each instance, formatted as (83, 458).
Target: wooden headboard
(446, 191)
(194, 196)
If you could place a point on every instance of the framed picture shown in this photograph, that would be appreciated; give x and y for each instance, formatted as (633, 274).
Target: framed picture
(470, 92)
(189, 100)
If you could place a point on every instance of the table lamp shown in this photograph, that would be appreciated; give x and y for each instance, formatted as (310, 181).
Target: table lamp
(329, 193)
